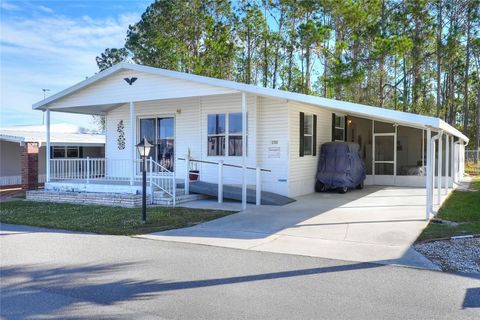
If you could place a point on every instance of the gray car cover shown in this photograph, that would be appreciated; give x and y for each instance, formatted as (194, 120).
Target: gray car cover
(340, 165)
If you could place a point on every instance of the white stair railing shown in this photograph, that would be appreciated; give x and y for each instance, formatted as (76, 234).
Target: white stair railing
(162, 178)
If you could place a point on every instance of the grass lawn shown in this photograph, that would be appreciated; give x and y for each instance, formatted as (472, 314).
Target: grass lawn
(102, 219)
(462, 207)
(472, 168)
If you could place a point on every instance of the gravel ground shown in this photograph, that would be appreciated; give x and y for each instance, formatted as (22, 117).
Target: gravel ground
(462, 255)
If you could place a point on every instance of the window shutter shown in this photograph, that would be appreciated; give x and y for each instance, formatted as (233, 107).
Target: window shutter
(333, 126)
(302, 130)
(314, 138)
(345, 129)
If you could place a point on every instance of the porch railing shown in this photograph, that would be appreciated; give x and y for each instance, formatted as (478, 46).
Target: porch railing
(90, 169)
(77, 169)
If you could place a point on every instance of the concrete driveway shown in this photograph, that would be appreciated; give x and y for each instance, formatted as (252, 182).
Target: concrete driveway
(377, 224)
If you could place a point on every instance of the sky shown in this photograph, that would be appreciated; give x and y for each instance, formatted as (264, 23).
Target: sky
(53, 45)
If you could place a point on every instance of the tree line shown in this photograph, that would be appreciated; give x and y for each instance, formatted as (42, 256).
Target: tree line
(411, 55)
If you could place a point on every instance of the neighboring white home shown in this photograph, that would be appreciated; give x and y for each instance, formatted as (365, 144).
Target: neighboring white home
(205, 118)
(19, 143)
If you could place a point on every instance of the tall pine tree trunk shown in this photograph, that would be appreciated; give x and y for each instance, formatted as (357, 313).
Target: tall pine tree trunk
(381, 85)
(467, 66)
(290, 67)
(477, 129)
(265, 60)
(439, 60)
(307, 70)
(277, 49)
(249, 59)
(405, 85)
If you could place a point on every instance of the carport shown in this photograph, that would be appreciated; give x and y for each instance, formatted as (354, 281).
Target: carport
(407, 150)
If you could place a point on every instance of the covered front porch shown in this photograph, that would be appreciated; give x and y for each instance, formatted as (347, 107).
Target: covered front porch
(169, 113)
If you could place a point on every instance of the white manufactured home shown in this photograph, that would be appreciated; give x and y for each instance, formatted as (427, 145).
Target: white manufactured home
(200, 123)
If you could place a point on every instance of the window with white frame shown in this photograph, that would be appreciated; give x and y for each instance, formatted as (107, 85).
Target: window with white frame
(338, 133)
(225, 134)
(65, 152)
(216, 134)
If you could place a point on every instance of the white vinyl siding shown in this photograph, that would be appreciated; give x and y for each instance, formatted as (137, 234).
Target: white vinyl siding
(191, 118)
(273, 145)
(226, 104)
(187, 132)
(303, 169)
(114, 90)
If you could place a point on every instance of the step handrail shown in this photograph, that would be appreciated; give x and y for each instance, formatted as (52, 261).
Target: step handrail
(225, 164)
(220, 165)
(165, 188)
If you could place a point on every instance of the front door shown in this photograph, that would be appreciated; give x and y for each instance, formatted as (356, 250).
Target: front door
(161, 133)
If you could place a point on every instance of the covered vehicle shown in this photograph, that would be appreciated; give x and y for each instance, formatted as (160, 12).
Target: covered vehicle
(340, 167)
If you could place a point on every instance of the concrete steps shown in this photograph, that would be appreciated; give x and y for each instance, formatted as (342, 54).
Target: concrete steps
(163, 199)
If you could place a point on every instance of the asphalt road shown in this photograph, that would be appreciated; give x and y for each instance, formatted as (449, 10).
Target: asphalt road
(55, 274)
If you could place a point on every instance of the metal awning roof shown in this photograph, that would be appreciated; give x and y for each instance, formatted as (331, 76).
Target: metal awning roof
(405, 118)
(22, 134)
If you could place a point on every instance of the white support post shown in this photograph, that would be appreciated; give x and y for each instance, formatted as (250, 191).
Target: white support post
(395, 156)
(48, 156)
(429, 178)
(244, 151)
(174, 190)
(187, 175)
(373, 151)
(440, 163)
(258, 187)
(447, 163)
(220, 181)
(133, 142)
(434, 165)
(452, 161)
(150, 171)
(88, 170)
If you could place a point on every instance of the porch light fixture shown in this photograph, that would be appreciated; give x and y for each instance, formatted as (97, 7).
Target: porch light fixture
(144, 148)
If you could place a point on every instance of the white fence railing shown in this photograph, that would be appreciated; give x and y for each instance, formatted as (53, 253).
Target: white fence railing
(77, 169)
(90, 169)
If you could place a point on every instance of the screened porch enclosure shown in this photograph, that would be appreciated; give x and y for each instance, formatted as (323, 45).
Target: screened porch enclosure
(393, 154)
